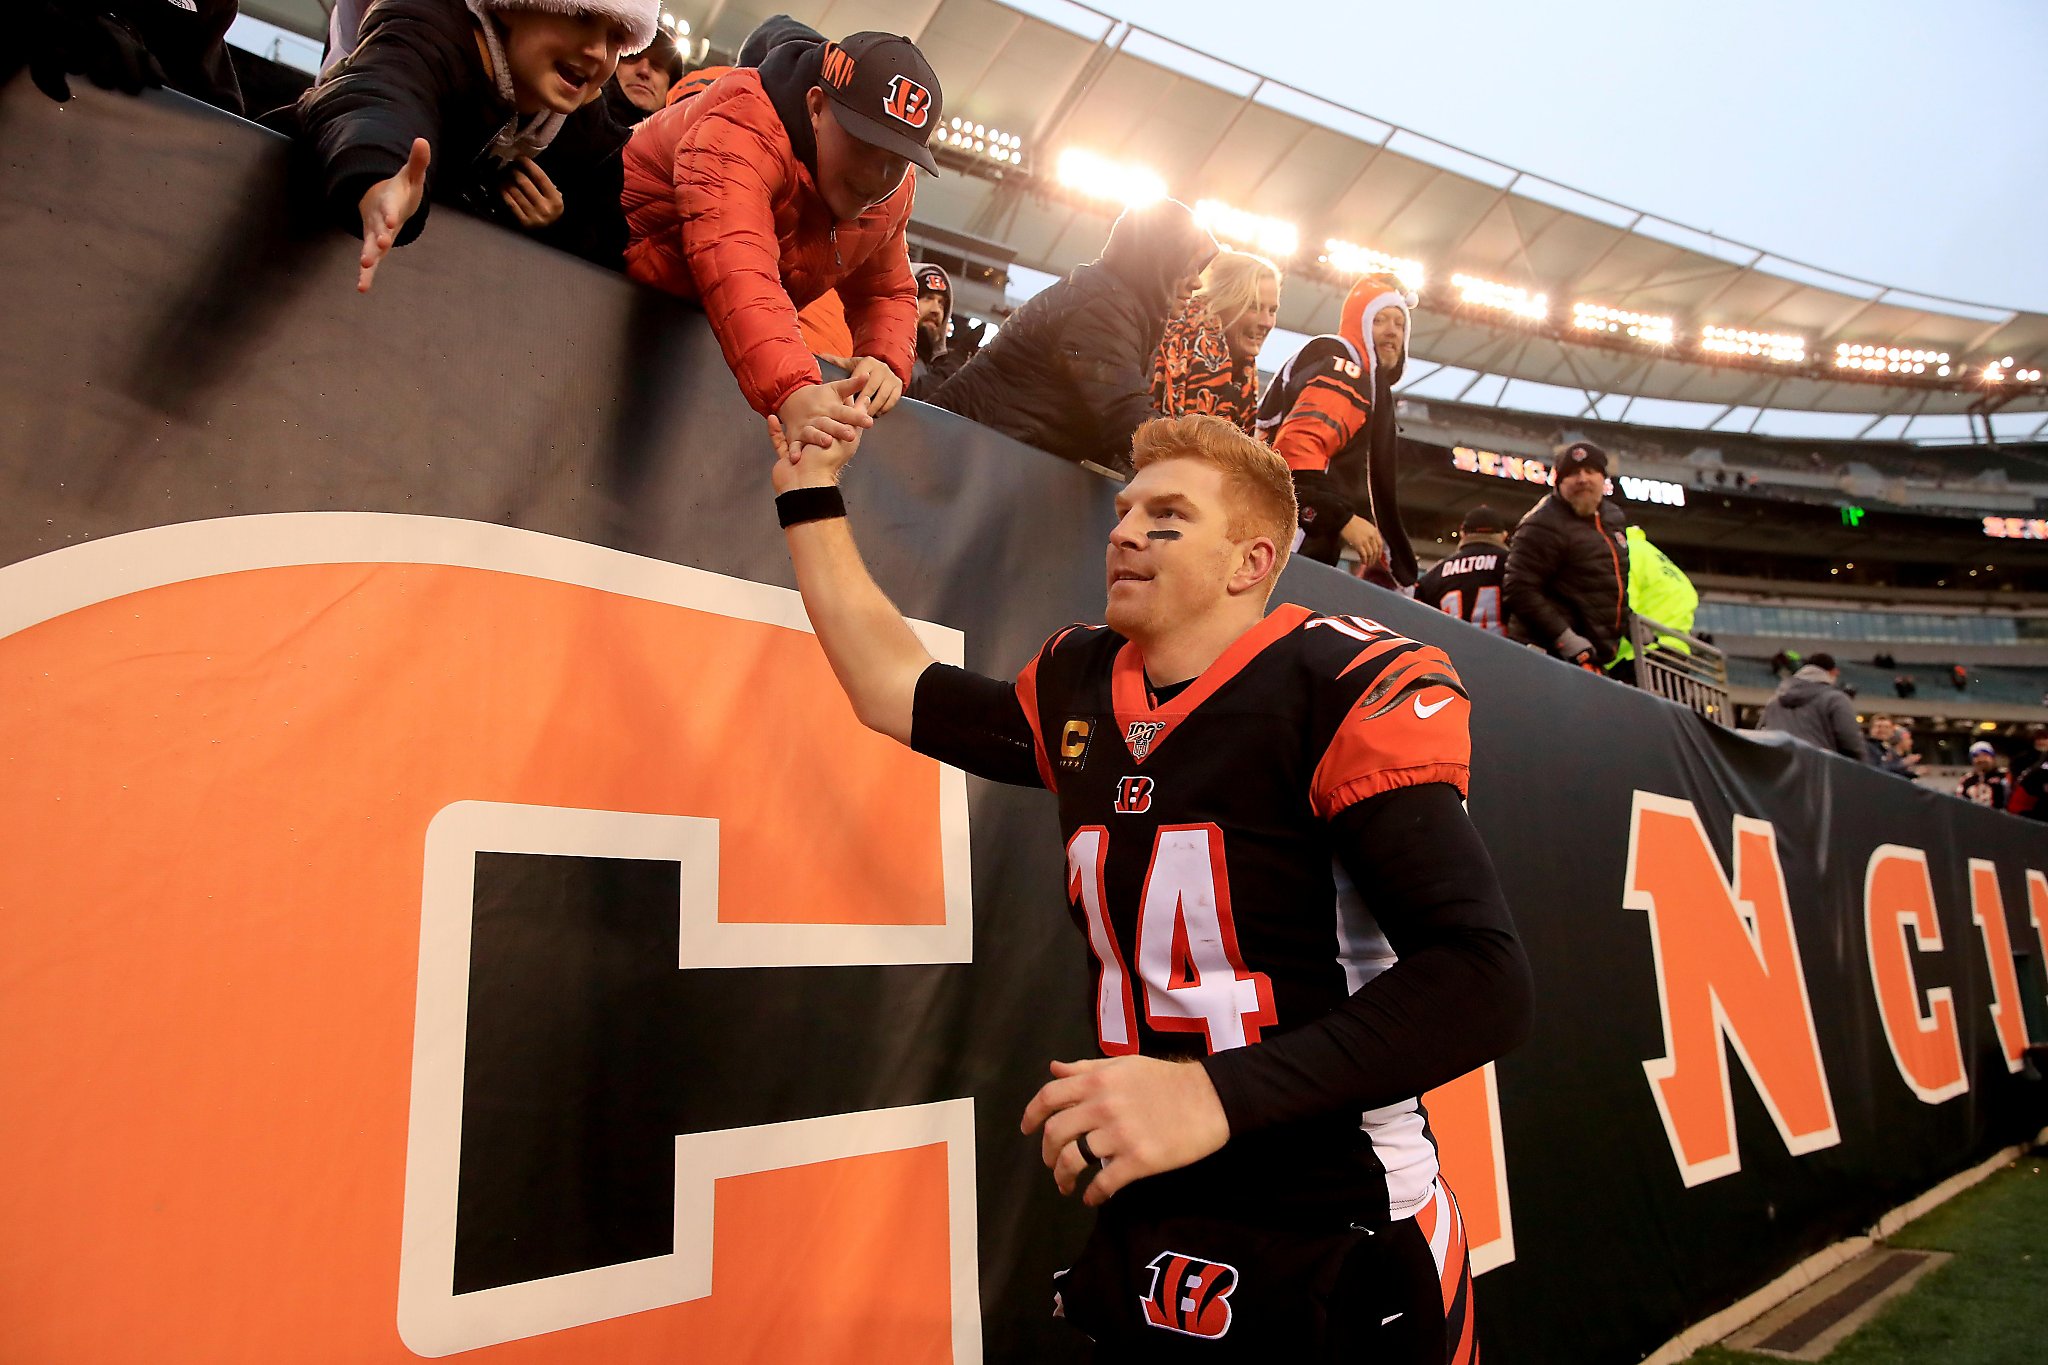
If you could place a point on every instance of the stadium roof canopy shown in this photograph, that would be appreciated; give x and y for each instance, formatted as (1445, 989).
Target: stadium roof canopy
(1062, 75)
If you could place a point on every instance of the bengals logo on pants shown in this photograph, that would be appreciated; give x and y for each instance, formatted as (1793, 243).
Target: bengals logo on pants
(1190, 1295)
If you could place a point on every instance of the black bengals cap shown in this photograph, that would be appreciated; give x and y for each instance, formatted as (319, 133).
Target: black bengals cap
(931, 279)
(1580, 455)
(1483, 518)
(885, 93)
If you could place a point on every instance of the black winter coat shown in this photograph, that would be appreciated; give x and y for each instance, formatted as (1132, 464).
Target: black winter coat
(417, 72)
(1071, 371)
(1569, 573)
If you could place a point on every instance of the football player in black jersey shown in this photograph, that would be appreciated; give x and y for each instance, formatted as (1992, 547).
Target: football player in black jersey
(1467, 584)
(1293, 928)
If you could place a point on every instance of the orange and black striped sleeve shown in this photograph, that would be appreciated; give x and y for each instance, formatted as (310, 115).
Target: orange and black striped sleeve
(1329, 413)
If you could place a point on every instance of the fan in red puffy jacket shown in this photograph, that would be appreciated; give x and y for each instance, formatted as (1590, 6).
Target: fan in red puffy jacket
(776, 184)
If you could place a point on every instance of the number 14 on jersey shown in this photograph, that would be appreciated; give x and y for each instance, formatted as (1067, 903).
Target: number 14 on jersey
(1195, 979)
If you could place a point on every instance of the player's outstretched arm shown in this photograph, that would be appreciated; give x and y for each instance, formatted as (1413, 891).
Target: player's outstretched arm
(872, 650)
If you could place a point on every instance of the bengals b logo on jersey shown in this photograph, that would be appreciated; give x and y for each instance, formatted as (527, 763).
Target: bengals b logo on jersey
(1133, 795)
(1190, 1295)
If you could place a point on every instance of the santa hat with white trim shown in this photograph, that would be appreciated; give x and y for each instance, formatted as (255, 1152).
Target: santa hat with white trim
(1369, 297)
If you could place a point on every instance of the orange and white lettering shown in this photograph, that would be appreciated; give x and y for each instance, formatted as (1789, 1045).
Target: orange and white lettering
(1987, 910)
(253, 767)
(1898, 901)
(1465, 1116)
(1728, 976)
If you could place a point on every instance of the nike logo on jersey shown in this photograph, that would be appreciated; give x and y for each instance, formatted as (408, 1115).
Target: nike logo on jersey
(1427, 711)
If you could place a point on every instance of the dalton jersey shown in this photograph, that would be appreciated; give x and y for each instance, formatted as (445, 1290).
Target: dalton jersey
(1467, 586)
(1224, 914)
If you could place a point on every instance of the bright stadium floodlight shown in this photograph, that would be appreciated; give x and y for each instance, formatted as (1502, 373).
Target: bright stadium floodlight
(1648, 328)
(1507, 298)
(1096, 176)
(1889, 359)
(1349, 258)
(1274, 237)
(982, 140)
(1778, 346)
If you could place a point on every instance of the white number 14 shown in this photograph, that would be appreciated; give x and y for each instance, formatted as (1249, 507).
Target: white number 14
(1195, 977)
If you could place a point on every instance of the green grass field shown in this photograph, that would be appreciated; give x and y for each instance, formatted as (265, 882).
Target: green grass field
(1988, 1306)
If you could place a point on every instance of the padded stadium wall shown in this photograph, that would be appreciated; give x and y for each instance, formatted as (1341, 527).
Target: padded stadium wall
(450, 909)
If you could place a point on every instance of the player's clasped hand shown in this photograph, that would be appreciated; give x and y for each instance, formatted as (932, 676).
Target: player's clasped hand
(821, 414)
(798, 465)
(1140, 1115)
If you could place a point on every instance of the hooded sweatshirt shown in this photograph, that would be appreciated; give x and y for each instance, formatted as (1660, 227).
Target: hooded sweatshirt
(1330, 414)
(1071, 371)
(1809, 707)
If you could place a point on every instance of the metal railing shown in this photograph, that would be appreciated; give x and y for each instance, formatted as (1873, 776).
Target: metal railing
(1683, 668)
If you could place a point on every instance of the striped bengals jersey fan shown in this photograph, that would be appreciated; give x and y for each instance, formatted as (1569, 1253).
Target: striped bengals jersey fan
(1201, 872)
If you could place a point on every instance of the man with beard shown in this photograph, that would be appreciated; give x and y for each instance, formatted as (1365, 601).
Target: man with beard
(1567, 580)
(1233, 785)
(1330, 414)
(939, 354)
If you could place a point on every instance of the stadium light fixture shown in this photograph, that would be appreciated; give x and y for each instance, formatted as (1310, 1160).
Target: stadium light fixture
(1349, 258)
(1778, 346)
(1648, 328)
(982, 140)
(1890, 359)
(1275, 237)
(1507, 298)
(1096, 176)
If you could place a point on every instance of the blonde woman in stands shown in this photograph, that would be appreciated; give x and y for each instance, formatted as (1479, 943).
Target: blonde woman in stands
(1208, 359)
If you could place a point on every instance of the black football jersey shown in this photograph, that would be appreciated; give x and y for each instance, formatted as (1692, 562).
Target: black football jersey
(1467, 586)
(1201, 873)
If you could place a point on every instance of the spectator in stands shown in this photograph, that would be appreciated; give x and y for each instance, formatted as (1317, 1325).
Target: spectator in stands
(1959, 677)
(1208, 360)
(1986, 783)
(2029, 795)
(1467, 585)
(125, 45)
(1902, 746)
(1785, 663)
(643, 81)
(495, 106)
(782, 181)
(1811, 707)
(938, 358)
(1881, 747)
(1568, 572)
(1330, 414)
(1905, 685)
(1071, 371)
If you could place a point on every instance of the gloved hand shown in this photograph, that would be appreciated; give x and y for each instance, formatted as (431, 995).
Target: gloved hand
(56, 39)
(1575, 648)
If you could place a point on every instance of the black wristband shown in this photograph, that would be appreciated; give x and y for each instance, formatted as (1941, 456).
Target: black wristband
(800, 505)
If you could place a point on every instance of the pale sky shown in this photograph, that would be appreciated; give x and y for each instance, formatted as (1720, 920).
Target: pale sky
(1901, 142)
